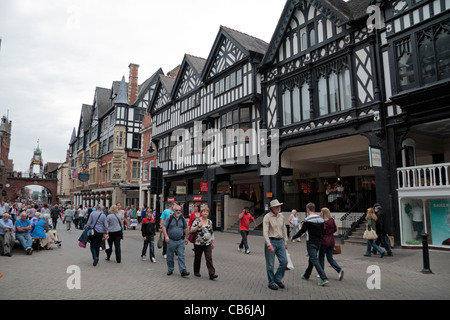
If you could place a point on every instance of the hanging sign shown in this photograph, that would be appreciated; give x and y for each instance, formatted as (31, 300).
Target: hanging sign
(375, 157)
(83, 177)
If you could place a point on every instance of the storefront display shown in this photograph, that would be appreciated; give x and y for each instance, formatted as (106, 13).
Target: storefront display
(430, 216)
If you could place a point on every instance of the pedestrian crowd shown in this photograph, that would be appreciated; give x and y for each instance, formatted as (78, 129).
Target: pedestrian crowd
(103, 229)
(28, 223)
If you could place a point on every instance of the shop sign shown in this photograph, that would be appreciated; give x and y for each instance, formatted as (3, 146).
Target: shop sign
(171, 199)
(83, 177)
(375, 157)
(204, 187)
(198, 198)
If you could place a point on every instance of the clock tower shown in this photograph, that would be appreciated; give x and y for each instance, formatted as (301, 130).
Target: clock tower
(37, 161)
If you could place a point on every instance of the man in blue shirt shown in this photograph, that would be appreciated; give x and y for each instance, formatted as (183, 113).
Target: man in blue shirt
(6, 235)
(175, 231)
(97, 222)
(23, 226)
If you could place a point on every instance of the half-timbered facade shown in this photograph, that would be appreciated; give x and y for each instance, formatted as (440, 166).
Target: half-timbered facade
(416, 58)
(199, 121)
(322, 92)
(148, 156)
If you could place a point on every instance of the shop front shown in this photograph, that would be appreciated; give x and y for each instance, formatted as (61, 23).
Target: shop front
(424, 185)
(334, 174)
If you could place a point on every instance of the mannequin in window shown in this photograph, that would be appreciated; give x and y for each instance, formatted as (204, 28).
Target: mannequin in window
(415, 212)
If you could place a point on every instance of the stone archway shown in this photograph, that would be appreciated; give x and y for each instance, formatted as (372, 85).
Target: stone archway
(15, 184)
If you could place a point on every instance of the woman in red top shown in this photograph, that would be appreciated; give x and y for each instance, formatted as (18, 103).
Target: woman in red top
(245, 218)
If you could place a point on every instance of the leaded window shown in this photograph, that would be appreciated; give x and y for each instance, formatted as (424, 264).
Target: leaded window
(334, 91)
(296, 101)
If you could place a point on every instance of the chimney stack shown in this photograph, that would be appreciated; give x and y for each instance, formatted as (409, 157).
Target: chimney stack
(133, 86)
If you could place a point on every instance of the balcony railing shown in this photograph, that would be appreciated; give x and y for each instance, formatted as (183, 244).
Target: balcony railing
(424, 177)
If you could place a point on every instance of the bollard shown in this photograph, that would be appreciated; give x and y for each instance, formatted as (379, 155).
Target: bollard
(426, 256)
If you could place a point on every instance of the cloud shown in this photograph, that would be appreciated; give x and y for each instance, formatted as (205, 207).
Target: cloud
(55, 53)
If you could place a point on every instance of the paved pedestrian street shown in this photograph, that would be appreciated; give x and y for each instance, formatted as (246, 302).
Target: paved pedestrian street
(67, 273)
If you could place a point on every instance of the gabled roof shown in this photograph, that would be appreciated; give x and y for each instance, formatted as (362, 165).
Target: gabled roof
(149, 81)
(144, 88)
(86, 113)
(339, 12)
(195, 63)
(164, 82)
(74, 137)
(103, 98)
(244, 42)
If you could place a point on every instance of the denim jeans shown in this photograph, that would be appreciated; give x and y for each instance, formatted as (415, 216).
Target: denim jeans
(149, 242)
(384, 241)
(313, 248)
(370, 244)
(178, 247)
(280, 252)
(328, 251)
(24, 239)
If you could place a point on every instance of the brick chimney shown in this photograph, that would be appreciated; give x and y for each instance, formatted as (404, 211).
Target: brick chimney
(133, 86)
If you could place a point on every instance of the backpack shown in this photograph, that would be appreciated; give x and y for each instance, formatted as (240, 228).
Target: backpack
(184, 223)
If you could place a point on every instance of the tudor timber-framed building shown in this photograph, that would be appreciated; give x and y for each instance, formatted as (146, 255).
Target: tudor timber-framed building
(218, 93)
(322, 92)
(416, 58)
(348, 104)
(364, 107)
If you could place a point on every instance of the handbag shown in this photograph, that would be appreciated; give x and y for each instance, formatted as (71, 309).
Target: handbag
(369, 234)
(337, 249)
(192, 237)
(160, 241)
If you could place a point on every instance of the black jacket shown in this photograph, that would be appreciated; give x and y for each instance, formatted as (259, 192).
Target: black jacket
(148, 228)
(380, 222)
(314, 228)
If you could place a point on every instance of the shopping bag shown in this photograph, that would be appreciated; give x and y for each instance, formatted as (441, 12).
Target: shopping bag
(337, 249)
(290, 265)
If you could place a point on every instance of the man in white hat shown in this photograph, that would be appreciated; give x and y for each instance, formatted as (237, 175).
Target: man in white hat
(276, 239)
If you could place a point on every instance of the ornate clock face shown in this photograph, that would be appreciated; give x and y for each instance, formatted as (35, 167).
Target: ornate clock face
(37, 157)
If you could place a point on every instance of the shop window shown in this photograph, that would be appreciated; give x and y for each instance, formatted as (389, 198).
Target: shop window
(430, 216)
(413, 221)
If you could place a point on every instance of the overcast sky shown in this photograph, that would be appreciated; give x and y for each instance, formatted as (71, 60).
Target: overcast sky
(54, 53)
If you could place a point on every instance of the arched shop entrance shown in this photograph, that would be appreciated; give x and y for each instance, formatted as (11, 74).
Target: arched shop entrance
(334, 174)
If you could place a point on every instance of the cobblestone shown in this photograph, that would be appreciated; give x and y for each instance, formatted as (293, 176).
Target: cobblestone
(44, 274)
